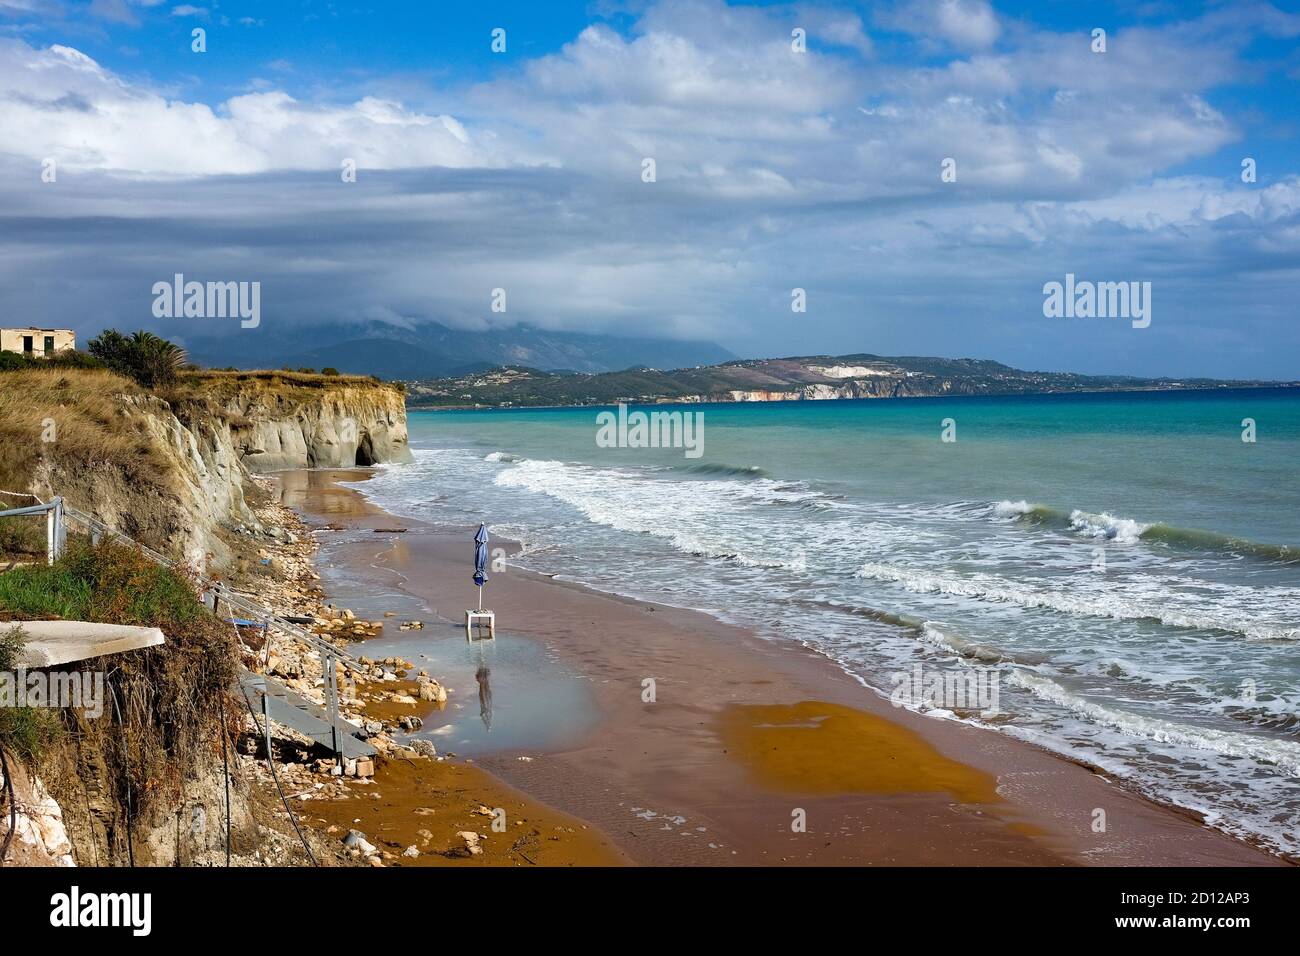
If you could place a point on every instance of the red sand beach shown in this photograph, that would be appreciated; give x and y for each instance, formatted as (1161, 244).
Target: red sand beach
(751, 752)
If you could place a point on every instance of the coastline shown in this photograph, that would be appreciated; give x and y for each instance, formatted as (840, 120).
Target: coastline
(743, 734)
(697, 400)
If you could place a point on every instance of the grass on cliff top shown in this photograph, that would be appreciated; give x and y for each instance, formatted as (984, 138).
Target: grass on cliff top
(222, 384)
(281, 393)
(71, 422)
(164, 709)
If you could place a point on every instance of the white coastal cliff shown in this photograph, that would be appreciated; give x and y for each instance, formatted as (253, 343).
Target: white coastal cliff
(181, 488)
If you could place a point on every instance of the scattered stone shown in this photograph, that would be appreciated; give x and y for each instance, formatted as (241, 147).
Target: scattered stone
(356, 842)
(471, 841)
(432, 690)
(411, 851)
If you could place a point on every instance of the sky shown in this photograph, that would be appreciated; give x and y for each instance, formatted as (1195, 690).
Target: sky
(777, 166)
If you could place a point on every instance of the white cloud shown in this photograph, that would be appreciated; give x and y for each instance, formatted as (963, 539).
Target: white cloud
(775, 169)
(965, 24)
(60, 103)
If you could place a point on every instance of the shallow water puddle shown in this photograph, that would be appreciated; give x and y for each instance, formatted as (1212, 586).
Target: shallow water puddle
(823, 748)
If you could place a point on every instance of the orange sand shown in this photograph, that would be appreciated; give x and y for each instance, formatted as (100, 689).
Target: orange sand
(820, 748)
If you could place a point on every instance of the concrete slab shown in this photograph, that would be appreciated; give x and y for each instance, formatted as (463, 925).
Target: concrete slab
(51, 643)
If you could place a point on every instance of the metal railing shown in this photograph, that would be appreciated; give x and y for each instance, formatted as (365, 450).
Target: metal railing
(55, 532)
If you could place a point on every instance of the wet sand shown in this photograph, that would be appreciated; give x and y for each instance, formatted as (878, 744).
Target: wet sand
(427, 805)
(699, 743)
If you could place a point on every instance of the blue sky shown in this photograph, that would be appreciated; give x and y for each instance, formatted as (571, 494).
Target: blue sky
(776, 169)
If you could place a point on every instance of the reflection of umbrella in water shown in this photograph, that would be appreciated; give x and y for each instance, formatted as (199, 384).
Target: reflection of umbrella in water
(484, 692)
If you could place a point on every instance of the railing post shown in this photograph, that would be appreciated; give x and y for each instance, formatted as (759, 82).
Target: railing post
(60, 531)
(266, 718)
(332, 702)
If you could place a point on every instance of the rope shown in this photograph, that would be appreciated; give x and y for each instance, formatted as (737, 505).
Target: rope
(130, 837)
(270, 760)
(20, 494)
(8, 792)
(225, 763)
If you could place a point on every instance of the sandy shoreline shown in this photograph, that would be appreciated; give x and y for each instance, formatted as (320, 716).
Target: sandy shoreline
(744, 738)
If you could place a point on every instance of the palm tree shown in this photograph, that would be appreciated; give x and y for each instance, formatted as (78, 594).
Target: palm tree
(149, 359)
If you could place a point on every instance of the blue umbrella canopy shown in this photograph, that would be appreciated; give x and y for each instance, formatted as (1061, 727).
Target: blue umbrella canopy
(480, 555)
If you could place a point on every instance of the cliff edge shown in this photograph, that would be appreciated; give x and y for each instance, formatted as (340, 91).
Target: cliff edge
(167, 467)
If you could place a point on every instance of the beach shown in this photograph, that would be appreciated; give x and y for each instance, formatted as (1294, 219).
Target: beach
(676, 738)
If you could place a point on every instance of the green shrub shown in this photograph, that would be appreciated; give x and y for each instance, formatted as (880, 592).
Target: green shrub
(70, 358)
(25, 732)
(111, 584)
(150, 360)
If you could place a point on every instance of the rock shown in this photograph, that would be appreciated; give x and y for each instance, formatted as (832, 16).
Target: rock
(373, 728)
(365, 767)
(471, 841)
(411, 851)
(424, 748)
(356, 840)
(432, 690)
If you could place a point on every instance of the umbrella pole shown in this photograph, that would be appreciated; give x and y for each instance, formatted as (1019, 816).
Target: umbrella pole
(480, 597)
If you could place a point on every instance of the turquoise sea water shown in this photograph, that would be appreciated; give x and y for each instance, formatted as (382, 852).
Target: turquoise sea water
(1126, 565)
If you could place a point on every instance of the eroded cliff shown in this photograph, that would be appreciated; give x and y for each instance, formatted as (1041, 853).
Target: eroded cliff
(168, 468)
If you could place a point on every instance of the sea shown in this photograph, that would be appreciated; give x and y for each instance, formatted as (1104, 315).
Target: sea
(1125, 566)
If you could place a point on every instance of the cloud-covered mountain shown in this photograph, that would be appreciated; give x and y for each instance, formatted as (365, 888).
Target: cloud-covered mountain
(432, 350)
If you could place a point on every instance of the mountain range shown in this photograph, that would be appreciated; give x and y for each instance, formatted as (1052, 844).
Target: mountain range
(814, 377)
(432, 350)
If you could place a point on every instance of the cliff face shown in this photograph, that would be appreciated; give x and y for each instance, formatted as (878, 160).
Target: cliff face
(346, 426)
(169, 473)
(877, 386)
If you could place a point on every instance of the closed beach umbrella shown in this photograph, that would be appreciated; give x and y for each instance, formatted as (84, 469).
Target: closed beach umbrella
(480, 561)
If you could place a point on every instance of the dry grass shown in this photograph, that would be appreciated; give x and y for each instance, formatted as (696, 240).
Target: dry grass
(83, 412)
(216, 393)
